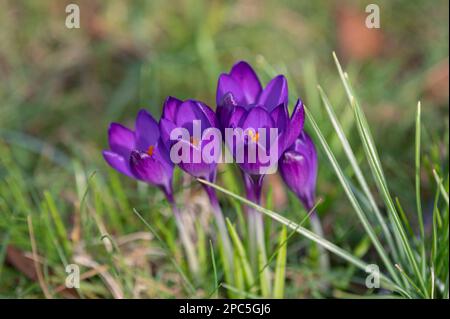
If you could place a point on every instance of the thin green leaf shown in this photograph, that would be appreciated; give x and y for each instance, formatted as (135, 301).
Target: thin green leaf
(216, 280)
(247, 270)
(418, 195)
(441, 186)
(280, 268)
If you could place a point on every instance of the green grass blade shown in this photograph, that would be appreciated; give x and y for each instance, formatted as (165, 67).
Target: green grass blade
(280, 268)
(216, 277)
(59, 225)
(417, 171)
(418, 195)
(441, 186)
(402, 214)
(264, 276)
(410, 280)
(241, 293)
(238, 274)
(247, 270)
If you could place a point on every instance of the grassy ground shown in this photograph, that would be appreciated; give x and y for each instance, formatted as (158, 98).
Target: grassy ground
(60, 88)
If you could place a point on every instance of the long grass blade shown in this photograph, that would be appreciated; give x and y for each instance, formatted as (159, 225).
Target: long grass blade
(441, 186)
(418, 195)
(280, 268)
(247, 270)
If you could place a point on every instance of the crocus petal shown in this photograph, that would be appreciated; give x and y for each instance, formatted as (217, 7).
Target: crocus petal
(165, 128)
(227, 84)
(161, 154)
(170, 108)
(224, 110)
(280, 116)
(275, 93)
(211, 145)
(190, 111)
(117, 162)
(195, 168)
(209, 114)
(298, 167)
(247, 79)
(237, 117)
(255, 167)
(258, 118)
(121, 139)
(236, 120)
(296, 124)
(147, 130)
(148, 169)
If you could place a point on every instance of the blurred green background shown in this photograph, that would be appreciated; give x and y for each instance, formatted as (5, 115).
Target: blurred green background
(60, 88)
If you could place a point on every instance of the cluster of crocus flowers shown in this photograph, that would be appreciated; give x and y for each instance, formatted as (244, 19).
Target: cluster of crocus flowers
(242, 103)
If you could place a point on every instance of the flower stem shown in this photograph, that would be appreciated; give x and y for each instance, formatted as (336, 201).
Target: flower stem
(221, 226)
(258, 255)
(324, 261)
(186, 240)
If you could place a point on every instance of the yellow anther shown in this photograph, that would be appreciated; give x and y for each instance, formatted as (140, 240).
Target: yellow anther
(254, 135)
(194, 141)
(151, 150)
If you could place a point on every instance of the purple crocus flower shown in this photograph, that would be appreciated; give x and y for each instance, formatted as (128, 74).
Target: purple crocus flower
(198, 120)
(298, 167)
(243, 103)
(140, 154)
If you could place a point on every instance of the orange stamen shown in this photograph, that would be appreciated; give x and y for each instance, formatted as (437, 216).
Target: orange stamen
(151, 150)
(194, 141)
(254, 136)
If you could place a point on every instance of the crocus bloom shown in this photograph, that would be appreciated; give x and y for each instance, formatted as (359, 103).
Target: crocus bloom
(140, 154)
(298, 167)
(242, 103)
(193, 116)
(198, 120)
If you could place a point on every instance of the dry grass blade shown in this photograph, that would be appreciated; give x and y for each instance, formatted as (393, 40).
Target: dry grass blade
(37, 267)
